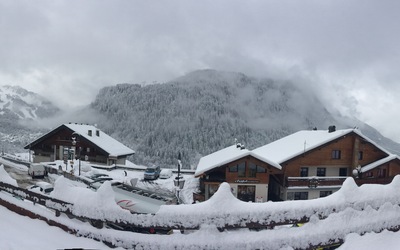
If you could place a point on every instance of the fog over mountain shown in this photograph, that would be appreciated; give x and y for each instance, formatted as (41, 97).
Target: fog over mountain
(206, 110)
(194, 115)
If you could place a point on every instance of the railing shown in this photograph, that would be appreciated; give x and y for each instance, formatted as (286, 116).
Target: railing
(248, 215)
(314, 181)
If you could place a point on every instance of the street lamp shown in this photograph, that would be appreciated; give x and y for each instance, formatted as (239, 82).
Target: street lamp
(178, 182)
(74, 142)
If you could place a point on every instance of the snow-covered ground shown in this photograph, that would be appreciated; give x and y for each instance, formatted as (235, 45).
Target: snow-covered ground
(15, 227)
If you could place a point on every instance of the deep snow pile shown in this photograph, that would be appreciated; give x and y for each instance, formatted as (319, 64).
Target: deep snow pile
(223, 208)
(352, 210)
(4, 177)
(93, 204)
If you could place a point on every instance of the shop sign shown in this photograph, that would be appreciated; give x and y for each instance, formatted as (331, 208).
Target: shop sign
(247, 181)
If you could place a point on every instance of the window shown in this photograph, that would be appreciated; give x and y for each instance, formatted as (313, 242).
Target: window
(246, 193)
(261, 169)
(324, 193)
(252, 170)
(303, 172)
(360, 155)
(297, 196)
(88, 150)
(301, 195)
(381, 173)
(242, 169)
(342, 171)
(369, 174)
(336, 154)
(321, 171)
(233, 169)
(212, 188)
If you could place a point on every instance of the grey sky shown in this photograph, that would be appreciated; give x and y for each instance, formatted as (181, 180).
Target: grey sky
(346, 50)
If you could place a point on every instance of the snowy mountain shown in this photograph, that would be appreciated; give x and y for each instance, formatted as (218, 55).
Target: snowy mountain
(206, 110)
(22, 104)
(196, 114)
(19, 107)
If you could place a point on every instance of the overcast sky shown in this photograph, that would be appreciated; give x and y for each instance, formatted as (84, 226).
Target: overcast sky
(346, 50)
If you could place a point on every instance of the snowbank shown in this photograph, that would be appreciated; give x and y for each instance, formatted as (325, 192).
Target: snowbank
(88, 203)
(6, 178)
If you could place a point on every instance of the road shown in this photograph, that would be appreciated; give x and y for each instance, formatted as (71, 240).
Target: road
(19, 172)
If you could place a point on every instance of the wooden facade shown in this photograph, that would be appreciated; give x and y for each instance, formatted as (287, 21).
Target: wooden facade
(248, 177)
(316, 172)
(321, 171)
(63, 144)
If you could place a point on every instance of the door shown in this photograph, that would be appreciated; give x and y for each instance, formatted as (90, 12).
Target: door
(246, 193)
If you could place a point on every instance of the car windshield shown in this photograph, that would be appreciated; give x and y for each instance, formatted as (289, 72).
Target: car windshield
(150, 170)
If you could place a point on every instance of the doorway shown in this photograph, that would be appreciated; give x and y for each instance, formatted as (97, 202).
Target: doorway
(246, 193)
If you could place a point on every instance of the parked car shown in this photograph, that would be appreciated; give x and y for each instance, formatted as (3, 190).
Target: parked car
(37, 170)
(165, 173)
(152, 173)
(42, 187)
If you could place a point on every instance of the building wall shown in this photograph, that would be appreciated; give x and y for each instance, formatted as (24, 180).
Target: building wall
(224, 173)
(311, 193)
(41, 158)
(52, 148)
(349, 147)
(389, 169)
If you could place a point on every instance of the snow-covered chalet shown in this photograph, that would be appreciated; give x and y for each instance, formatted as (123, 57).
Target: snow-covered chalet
(73, 140)
(305, 165)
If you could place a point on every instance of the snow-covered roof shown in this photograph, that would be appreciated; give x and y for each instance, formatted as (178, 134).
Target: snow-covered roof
(225, 156)
(279, 151)
(296, 144)
(220, 158)
(378, 163)
(102, 140)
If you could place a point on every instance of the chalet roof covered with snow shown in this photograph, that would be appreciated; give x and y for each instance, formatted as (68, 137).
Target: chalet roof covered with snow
(296, 144)
(225, 156)
(96, 136)
(378, 163)
(102, 140)
(284, 149)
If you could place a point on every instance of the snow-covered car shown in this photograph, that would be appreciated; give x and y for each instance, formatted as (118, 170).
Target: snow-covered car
(152, 173)
(165, 173)
(41, 187)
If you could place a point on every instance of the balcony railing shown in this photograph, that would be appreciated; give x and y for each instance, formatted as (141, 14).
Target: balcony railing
(314, 181)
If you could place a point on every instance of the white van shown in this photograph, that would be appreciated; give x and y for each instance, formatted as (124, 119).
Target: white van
(37, 170)
(165, 173)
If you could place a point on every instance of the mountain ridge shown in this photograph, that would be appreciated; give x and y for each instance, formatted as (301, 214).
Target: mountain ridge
(193, 115)
(205, 111)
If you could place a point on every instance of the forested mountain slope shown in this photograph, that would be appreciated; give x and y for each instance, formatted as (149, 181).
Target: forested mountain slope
(205, 111)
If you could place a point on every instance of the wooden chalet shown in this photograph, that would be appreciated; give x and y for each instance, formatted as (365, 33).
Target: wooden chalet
(247, 173)
(73, 141)
(316, 162)
(310, 164)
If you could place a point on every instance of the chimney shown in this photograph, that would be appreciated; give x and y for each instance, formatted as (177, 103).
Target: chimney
(331, 129)
(90, 132)
(97, 132)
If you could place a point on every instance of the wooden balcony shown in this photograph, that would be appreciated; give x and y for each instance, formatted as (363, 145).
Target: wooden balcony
(314, 181)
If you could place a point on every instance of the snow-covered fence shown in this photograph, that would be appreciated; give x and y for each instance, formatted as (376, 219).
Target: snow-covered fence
(353, 209)
(56, 204)
(225, 211)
